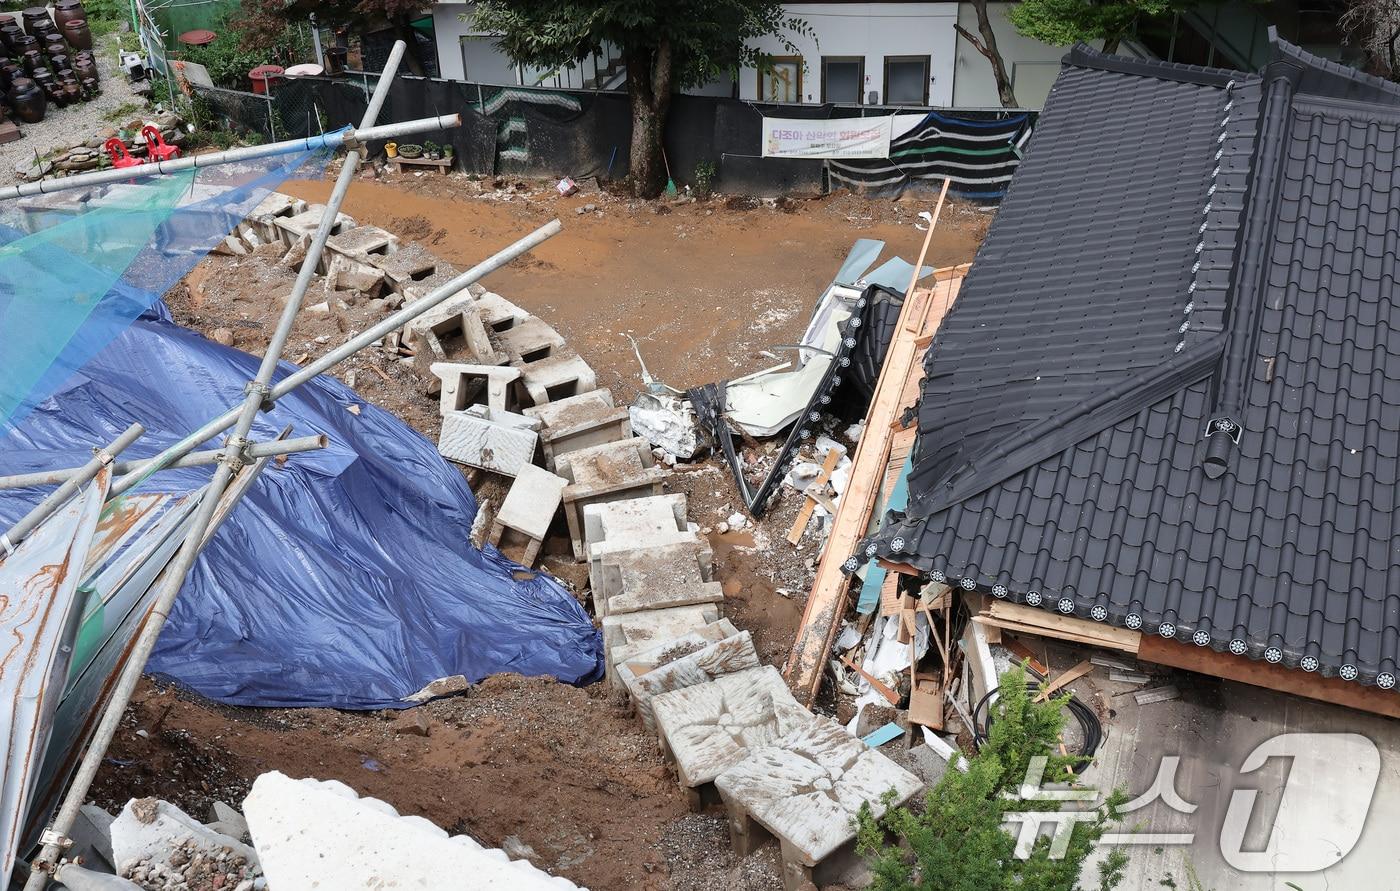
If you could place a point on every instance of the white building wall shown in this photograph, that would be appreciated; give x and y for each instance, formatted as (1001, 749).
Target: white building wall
(872, 31)
(467, 53)
(1033, 65)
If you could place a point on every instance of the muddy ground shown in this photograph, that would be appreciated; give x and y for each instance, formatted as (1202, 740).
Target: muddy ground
(708, 289)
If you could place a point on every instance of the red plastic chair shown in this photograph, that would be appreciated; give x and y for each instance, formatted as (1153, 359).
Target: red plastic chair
(116, 150)
(157, 149)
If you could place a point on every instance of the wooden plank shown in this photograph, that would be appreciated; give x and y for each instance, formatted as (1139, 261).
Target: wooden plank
(926, 704)
(1063, 627)
(1065, 677)
(827, 601)
(1026, 653)
(889, 595)
(1206, 661)
(799, 525)
(1112, 643)
(1157, 694)
(880, 688)
(901, 568)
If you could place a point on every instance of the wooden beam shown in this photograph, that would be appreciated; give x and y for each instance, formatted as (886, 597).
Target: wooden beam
(1065, 677)
(827, 601)
(1029, 620)
(1204, 660)
(890, 696)
(799, 525)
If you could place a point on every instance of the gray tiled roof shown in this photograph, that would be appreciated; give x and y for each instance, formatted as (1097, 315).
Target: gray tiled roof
(1168, 397)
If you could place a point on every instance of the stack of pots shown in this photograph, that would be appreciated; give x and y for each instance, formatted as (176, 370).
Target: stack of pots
(46, 59)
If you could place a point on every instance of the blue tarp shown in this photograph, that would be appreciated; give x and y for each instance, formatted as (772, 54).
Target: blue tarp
(345, 578)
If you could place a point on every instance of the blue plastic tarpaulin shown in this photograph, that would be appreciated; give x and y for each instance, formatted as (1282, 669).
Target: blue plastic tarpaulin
(345, 578)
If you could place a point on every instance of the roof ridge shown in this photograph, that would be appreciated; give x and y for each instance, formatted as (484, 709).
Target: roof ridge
(1055, 434)
(1323, 77)
(1083, 56)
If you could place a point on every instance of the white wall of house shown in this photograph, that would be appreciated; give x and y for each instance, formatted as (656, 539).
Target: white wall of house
(1033, 65)
(858, 40)
(870, 32)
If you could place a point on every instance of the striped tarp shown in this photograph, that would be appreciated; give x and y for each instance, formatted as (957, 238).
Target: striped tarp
(979, 156)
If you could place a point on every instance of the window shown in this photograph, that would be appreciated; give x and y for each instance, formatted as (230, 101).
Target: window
(906, 80)
(782, 82)
(843, 79)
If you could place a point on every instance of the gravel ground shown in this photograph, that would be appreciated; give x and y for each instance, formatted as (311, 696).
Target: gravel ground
(65, 127)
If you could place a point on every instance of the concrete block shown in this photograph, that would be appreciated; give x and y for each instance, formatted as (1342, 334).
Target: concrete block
(682, 666)
(313, 836)
(498, 313)
(149, 829)
(465, 385)
(614, 471)
(275, 206)
(635, 521)
(709, 727)
(626, 635)
(359, 242)
(346, 274)
(410, 263)
(292, 229)
(528, 510)
(457, 317)
(807, 787)
(530, 340)
(558, 376)
(655, 577)
(492, 440)
(577, 422)
(444, 274)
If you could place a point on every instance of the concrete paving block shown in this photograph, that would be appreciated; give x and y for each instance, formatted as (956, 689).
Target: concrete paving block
(499, 441)
(683, 667)
(149, 829)
(558, 376)
(465, 385)
(807, 787)
(709, 727)
(313, 838)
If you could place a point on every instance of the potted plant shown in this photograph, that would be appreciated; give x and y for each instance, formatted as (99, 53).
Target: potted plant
(447, 151)
(409, 150)
(432, 151)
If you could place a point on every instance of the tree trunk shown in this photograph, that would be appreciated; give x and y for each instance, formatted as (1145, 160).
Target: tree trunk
(649, 88)
(403, 30)
(987, 46)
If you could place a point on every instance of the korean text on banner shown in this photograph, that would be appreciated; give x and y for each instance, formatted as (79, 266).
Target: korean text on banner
(839, 138)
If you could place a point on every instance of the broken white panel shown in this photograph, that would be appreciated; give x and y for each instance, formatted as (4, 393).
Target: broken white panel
(499, 441)
(150, 829)
(667, 422)
(316, 835)
(765, 403)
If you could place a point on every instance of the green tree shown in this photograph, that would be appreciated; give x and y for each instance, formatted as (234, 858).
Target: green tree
(957, 842)
(1062, 22)
(666, 45)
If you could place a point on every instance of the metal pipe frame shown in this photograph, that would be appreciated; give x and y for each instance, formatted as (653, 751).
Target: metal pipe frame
(233, 458)
(353, 139)
(386, 326)
(193, 459)
(58, 497)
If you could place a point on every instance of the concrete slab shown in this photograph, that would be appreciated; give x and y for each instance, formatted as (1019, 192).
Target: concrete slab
(320, 835)
(681, 667)
(710, 727)
(614, 471)
(499, 441)
(465, 384)
(806, 789)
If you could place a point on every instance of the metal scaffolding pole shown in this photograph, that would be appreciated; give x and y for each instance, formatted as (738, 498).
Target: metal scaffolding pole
(193, 459)
(344, 351)
(258, 391)
(352, 139)
(58, 497)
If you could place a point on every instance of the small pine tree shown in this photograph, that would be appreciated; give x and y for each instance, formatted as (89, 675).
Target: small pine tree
(958, 842)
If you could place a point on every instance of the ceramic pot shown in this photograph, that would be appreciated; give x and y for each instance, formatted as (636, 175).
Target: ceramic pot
(76, 32)
(66, 11)
(27, 100)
